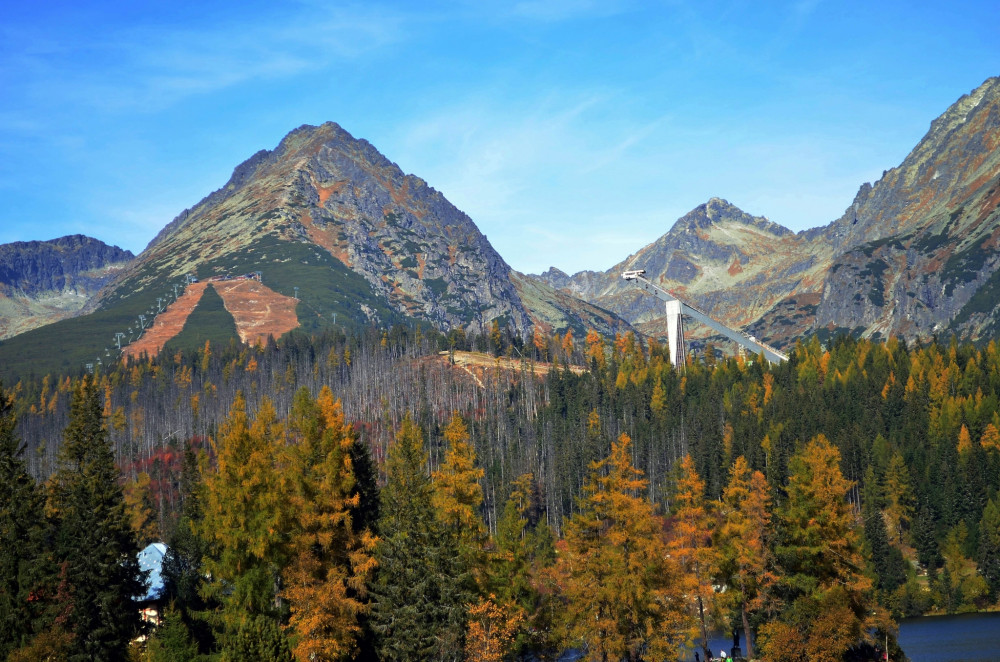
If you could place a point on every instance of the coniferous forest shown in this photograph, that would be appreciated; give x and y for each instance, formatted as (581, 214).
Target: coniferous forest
(370, 497)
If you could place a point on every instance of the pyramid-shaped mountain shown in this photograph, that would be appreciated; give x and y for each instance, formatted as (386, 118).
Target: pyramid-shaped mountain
(323, 230)
(323, 196)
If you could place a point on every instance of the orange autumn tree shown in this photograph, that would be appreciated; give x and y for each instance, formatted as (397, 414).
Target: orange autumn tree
(623, 597)
(457, 495)
(690, 544)
(829, 601)
(595, 349)
(331, 562)
(746, 561)
(492, 630)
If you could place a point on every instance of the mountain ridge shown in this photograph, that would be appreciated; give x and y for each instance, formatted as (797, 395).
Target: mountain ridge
(45, 281)
(330, 222)
(930, 225)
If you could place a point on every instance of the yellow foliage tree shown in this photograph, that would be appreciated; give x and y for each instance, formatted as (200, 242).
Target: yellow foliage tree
(991, 438)
(830, 603)
(964, 441)
(458, 495)
(330, 561)
(139, 504)
(245, 513)
(690, 544)
(744, 539)
(623, 595)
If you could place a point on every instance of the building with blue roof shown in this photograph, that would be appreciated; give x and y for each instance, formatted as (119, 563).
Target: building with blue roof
(151, 560)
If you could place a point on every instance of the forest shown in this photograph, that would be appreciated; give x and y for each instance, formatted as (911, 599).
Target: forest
(364, 497)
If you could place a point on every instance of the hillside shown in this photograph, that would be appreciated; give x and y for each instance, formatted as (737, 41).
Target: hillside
(334, 230)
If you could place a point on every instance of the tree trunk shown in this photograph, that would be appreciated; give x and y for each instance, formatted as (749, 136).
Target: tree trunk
(704, 631)
(746, 631)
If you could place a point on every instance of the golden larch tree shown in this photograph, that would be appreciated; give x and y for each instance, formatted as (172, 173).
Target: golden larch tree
(245, 513)
(330, 561)
(746, 560)
(622, 592)
(691, 545)
(830, 605)
(458, 494)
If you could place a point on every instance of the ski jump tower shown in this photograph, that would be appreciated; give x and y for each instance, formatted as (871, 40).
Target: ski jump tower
(677, 308)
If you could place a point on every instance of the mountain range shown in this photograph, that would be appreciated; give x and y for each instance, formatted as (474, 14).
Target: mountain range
(915, 254)
(327, 230)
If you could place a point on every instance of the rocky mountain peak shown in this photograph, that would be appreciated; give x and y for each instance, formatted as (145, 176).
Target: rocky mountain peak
(718, 211)
(956, 158)
(324, 188)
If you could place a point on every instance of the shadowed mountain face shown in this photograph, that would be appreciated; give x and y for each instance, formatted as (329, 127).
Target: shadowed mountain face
(45, 281)
(916, 253)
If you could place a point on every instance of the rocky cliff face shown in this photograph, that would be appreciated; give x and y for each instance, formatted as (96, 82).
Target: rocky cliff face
(918, 249)
(732, 264)
(45, 281)
(323, 188)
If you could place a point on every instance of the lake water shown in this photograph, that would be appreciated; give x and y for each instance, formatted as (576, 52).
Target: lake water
(962, 638)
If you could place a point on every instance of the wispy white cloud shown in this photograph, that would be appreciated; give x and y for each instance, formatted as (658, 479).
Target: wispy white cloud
(149, 68)
(561, 10)
(535, 175)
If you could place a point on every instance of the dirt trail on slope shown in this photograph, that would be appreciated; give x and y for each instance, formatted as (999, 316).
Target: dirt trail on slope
(168, 323)
(477, 364)
(258, 310)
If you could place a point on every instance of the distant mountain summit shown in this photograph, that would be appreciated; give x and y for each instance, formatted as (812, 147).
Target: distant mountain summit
(914, 254)
(734, 265)
(321, 189)
(323, 230)
(45, 281)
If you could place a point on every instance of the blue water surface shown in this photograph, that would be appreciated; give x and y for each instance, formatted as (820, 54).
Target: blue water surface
(961, 638)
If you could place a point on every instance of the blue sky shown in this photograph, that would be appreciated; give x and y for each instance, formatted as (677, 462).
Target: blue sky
(573, 132)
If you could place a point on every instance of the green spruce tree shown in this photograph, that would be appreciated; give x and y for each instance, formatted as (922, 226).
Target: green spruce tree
(22, 529)
(422, 590)
(94, 539)
(988, 555)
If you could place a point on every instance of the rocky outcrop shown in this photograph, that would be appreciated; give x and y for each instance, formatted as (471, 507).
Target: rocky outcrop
(724, 260)
(45, 281)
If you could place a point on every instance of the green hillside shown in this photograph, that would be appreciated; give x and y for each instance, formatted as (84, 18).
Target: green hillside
(328, 293)
(208, 321)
